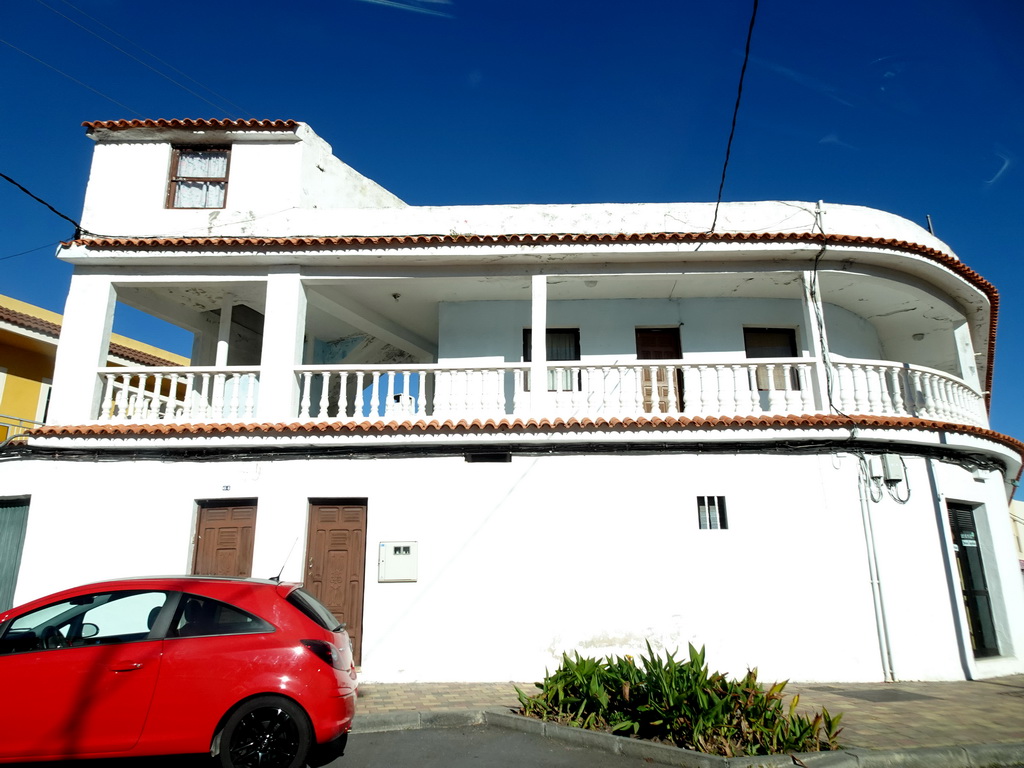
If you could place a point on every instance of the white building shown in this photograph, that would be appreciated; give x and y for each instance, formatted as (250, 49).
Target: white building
(768, 436)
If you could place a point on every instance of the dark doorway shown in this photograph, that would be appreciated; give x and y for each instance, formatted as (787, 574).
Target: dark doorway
(13, 522)
(969, 563)
(661, 344)
(772, 343)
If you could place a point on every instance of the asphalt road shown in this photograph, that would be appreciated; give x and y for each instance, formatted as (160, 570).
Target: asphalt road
(432, 748)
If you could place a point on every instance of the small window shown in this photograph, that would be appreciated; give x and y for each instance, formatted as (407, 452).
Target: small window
(202, 616)
(199, 177)
(711, 512)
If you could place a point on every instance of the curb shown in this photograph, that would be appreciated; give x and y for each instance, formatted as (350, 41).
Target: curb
(967, 756)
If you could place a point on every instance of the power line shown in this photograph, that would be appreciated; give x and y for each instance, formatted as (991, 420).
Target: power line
(78, 227)
(30, 250)
(157, 58)
(131, 56)
(735, 113)
(72, 79)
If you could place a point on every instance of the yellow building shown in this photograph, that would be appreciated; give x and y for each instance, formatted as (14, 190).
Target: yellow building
(28, 347)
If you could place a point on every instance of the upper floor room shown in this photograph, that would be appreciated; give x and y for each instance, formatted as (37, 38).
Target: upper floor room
(158, 177)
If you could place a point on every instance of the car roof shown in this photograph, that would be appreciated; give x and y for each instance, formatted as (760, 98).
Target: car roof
(223, 587)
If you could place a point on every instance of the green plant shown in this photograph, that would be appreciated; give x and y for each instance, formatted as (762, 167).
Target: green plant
(681, 703)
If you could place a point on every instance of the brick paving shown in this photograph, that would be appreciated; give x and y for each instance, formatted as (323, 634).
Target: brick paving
(875, 715)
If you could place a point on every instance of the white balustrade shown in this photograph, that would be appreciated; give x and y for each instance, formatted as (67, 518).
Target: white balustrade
(178, 395)
(404, 393)
(904, 390)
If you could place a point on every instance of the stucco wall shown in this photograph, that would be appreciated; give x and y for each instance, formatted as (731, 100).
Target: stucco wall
(711, 328)
(21, 380)
(521, 561)
(269, 177)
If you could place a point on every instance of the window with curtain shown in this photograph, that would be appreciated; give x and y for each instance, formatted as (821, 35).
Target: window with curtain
(561, 344)
(199, 177)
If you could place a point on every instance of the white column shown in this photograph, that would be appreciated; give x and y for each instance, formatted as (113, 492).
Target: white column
(817, 339)
(284, 326)
(82, 350)
(539, 345)
(224, 331)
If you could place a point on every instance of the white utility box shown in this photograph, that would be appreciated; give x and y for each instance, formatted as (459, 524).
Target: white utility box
(397, 561)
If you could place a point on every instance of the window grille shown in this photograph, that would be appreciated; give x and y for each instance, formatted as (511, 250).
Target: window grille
(711, 512)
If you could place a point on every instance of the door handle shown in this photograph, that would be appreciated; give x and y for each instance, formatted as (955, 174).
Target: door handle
(126, 666)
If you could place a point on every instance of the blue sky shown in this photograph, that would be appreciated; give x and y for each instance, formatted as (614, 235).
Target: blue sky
(913, 107)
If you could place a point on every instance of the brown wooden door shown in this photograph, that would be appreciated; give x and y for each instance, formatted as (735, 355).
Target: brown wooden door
(224, 539)
(336, 563)
(660, 344)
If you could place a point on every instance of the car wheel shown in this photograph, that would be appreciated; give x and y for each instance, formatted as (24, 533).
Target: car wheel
(266, 732)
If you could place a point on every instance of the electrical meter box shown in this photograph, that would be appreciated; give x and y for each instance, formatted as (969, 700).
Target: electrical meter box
(397, 561)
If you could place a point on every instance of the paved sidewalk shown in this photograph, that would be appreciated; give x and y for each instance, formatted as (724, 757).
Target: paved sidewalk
(875, 715)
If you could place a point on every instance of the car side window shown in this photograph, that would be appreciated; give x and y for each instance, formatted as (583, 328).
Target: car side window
(199, 616)
(95, 619)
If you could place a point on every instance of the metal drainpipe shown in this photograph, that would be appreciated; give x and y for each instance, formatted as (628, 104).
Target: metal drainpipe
(876, 585)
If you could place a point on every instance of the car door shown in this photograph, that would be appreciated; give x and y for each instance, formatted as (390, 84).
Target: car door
(79, 675)
(215, 654)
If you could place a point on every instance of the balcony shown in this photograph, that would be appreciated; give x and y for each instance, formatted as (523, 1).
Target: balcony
(429, 392)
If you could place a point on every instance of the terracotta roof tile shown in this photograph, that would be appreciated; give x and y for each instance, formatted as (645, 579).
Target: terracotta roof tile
(647, 423)
(371, 241)
(226, 125)
(29, 322)
(32, 323)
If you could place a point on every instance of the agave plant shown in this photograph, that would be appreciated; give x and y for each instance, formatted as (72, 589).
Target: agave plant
(681, 703)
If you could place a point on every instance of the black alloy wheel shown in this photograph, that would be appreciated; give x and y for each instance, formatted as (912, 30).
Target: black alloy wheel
(266, 732)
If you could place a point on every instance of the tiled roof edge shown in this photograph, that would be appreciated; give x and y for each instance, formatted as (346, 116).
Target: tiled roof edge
(30, 322)
(667, 423)
(364, 241)
(142, 358)
(214, 124)
(23, 320)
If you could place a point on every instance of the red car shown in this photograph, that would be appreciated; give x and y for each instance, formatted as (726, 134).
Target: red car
(257, 673)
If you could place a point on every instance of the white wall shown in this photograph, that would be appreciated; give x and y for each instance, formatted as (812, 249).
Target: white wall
(269, 174)
(521, 561)
(850, 335)
(711, 328)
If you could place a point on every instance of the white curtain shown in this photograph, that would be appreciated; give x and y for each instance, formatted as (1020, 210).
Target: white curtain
(203, 165)
(195, 166)
(199, 194)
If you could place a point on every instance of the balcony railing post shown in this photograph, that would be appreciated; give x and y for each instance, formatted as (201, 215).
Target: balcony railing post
(696, 389)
